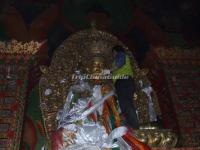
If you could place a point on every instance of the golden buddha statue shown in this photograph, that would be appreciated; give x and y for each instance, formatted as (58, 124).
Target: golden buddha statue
(90, 51)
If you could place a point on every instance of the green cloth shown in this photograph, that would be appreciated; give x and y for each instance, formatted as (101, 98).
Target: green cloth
(34, 113)
(125, 70)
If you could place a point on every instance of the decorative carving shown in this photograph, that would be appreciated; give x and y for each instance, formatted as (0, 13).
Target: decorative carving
(16, 47)
(13, 81)
(157, 137)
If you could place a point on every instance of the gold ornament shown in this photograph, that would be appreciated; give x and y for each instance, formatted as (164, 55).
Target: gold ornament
(17, 47)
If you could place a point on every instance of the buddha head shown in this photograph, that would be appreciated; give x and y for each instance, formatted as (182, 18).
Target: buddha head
(98, 56)
(96, 65)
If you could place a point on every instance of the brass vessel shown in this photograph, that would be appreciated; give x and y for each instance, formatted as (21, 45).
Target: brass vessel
(155, 136)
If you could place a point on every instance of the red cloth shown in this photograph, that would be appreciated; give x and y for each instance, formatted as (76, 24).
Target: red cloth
(57, 140)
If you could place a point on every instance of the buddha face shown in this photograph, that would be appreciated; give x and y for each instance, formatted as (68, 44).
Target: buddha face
(97, 65)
